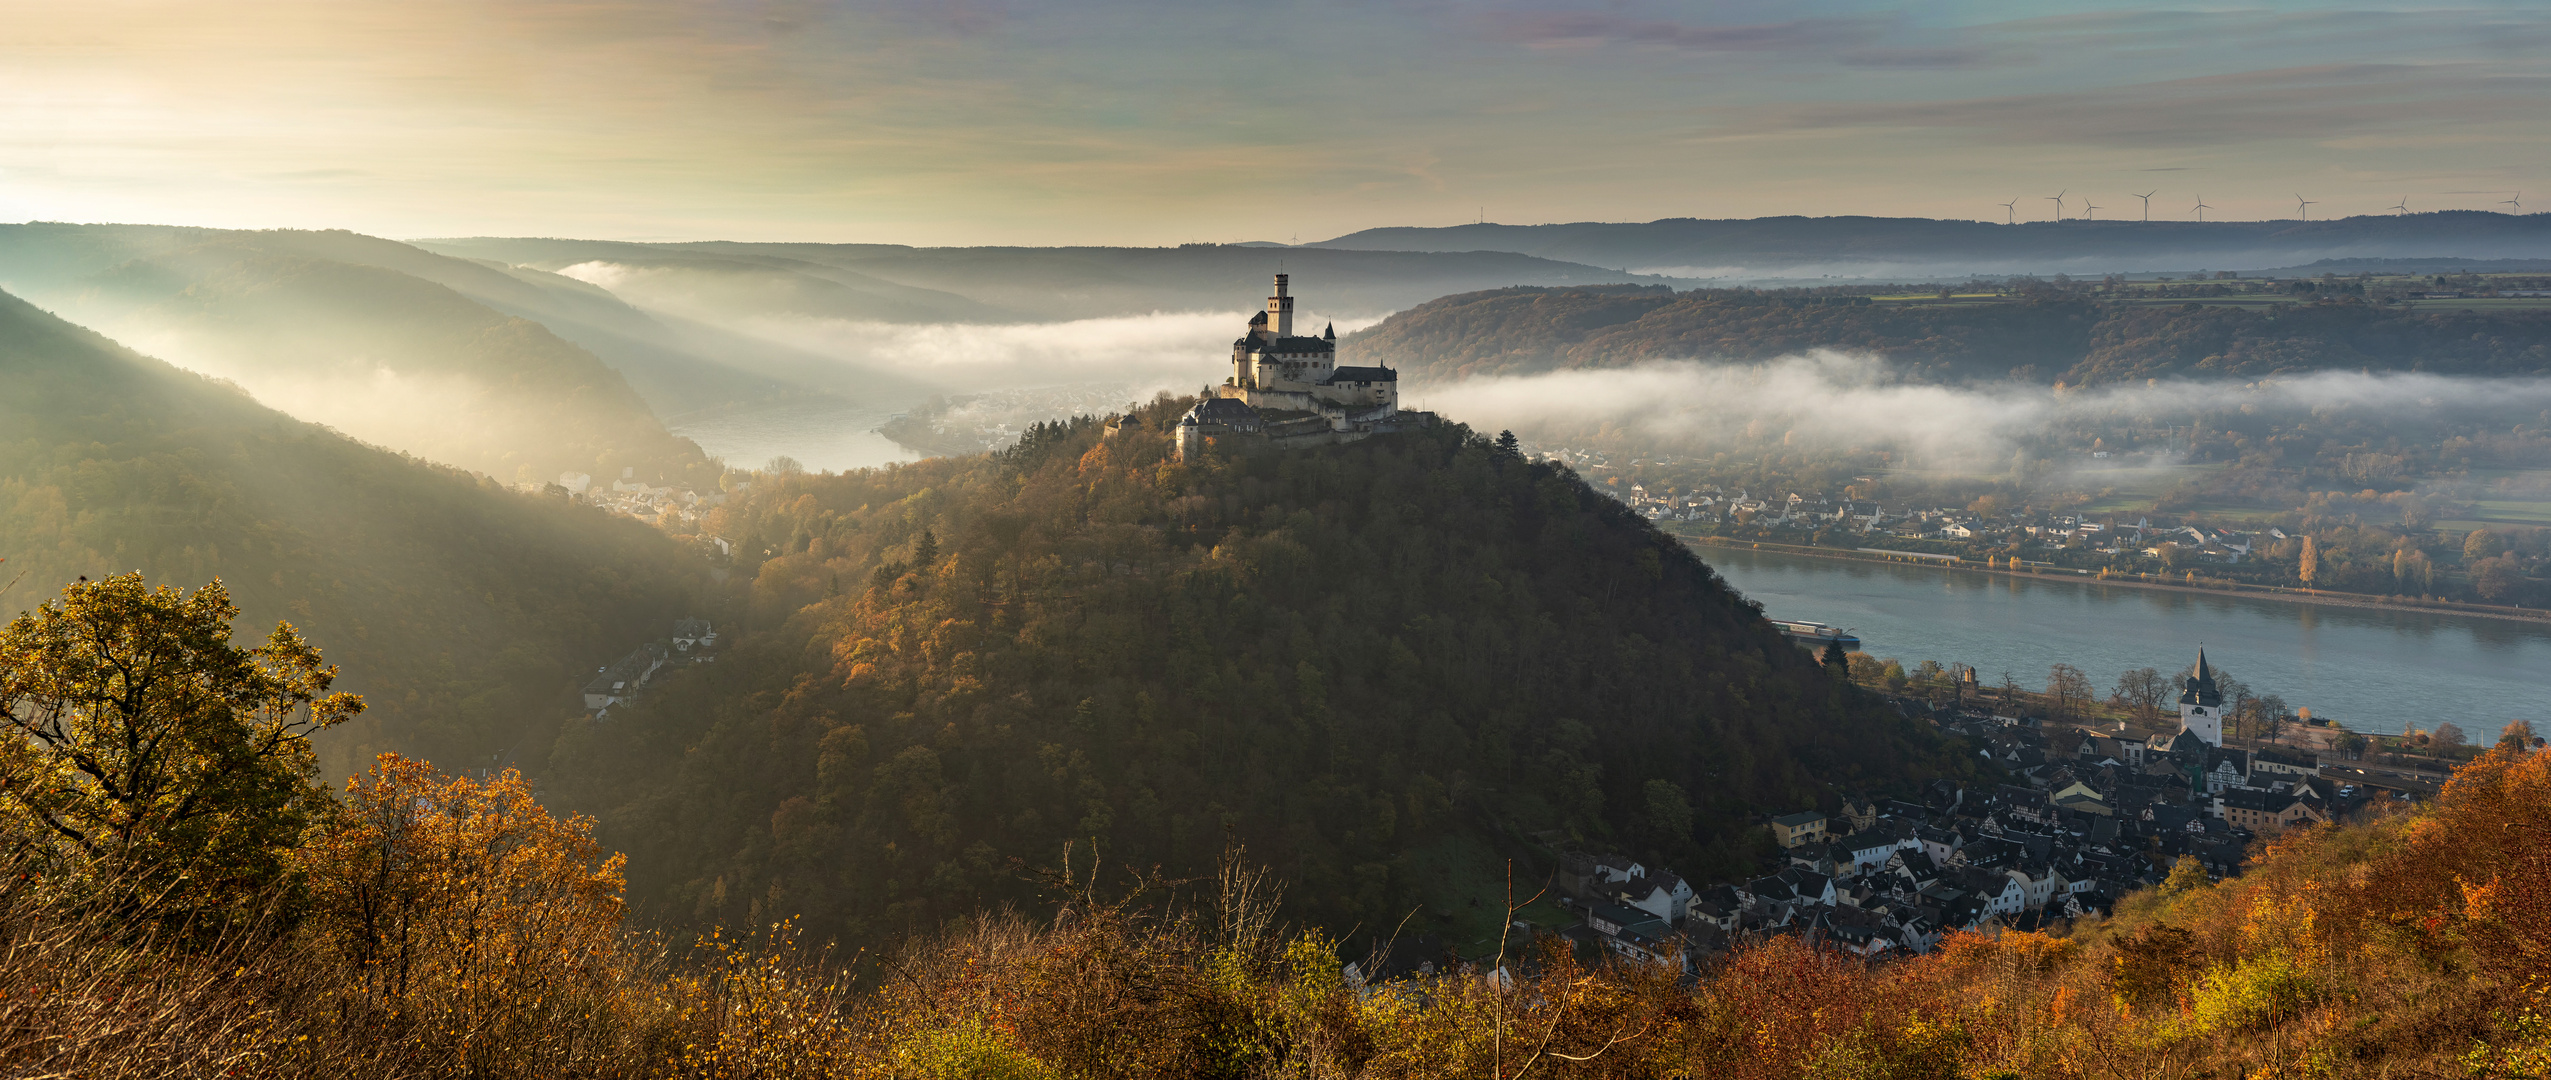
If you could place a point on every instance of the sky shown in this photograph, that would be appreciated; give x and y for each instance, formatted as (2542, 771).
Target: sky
(1149, 122)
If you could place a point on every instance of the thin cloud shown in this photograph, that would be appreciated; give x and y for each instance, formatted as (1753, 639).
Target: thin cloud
(1594, 28)
(1947, 58)
(2316, 102)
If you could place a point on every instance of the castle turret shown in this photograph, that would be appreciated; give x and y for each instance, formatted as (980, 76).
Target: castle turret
(1280, 309)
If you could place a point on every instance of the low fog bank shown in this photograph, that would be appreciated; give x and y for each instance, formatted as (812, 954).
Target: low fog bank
(1846, 401)
(1164, 350)
(1174, 350)
(934, 387)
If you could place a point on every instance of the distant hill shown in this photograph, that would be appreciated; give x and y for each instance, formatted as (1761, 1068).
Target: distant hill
(368, 336)
(1925, 248)
(1030, 284)
(2048, 339)
(1385, 667)
(465, 613)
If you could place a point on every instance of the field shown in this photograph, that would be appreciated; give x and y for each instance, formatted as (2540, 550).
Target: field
(2513, 511)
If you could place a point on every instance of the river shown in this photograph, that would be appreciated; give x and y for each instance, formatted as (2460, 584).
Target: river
(2373, 669)
(824, 433)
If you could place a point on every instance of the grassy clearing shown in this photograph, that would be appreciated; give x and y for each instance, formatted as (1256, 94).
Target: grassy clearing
(2513, 511)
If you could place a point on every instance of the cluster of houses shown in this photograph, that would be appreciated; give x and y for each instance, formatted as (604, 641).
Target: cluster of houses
(621, 681)
(1810, 512)
(2090, 818)
(634, 497)
(1879, 878)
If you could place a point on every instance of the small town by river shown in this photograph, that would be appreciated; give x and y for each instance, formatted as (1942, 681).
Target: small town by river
(2373, 669)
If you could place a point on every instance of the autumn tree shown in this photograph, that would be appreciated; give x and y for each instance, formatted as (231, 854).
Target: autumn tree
(2480, 544)
(464, 905)
(150, 757)
(2271, 715)
(2143, 690)
(2516, 736)
(2308, 564)
(2495, 578)
(2069, 688)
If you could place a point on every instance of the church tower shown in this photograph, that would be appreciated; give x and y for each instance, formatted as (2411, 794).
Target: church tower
(2201, 704)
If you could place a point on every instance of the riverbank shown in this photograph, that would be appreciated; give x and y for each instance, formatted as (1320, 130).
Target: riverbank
(2255, 592)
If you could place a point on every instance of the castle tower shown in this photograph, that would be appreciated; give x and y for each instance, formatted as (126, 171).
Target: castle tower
(2201, 704)
(1280, 309)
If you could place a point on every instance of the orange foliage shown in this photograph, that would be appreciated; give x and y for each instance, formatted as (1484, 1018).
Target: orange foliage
(460, 907)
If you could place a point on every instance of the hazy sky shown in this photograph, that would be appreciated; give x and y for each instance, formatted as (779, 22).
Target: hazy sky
(1007, 121)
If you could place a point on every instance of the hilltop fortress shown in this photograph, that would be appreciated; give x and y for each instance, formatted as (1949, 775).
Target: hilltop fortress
(1287, 391)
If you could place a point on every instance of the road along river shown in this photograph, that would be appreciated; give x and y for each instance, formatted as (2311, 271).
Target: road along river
(2373, 669)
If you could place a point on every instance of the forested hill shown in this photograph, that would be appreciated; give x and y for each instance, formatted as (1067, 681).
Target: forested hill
(400, 347)
(892, 283)
(1385, 667)
(2054, 339)
(464, 612)
(1837, 245)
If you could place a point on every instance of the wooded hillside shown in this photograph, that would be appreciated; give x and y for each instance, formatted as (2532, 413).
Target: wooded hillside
(2048, 339)
(391, 344)
(466, 612)
(1384, 667)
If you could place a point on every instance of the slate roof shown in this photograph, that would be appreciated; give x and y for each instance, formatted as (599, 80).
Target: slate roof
(1362, 374)
(1223, 410)
(2199, 687)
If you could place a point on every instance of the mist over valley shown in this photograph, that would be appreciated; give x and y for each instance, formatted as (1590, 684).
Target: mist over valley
(1532, 541)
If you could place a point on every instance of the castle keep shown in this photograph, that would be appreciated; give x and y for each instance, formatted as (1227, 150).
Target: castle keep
(1287, 391)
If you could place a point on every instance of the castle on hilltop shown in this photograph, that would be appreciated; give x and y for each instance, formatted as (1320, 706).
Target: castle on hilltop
(1287, 391)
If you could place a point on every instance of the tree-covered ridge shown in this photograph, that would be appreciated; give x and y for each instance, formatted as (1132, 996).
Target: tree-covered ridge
(424, 924)
(467, 610)
(1345, 657)
(1888, 245)
(2049, 338)
(359, 333)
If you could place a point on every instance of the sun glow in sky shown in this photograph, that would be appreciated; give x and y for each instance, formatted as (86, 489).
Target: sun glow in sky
(1096, 121)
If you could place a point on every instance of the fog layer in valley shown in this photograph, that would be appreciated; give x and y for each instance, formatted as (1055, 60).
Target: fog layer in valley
(1160, 350)
(1834, 399)
(976, 383)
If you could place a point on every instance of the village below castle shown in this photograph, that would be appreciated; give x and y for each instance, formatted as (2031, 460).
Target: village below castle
(2087, 817)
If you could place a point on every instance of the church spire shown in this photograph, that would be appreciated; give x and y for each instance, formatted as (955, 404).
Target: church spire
(1331, 333)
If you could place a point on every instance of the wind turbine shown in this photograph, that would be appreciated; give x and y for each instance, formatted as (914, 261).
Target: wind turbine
(2010, 211)
(2517, 202)
(2090, 213)
(2303, 206)
(2401, 206)
(2202, 208)
(2147, 198)
(2058, 199)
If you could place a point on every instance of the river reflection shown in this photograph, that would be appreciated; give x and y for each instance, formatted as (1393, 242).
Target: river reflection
(2370, 668)
(824, 433)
